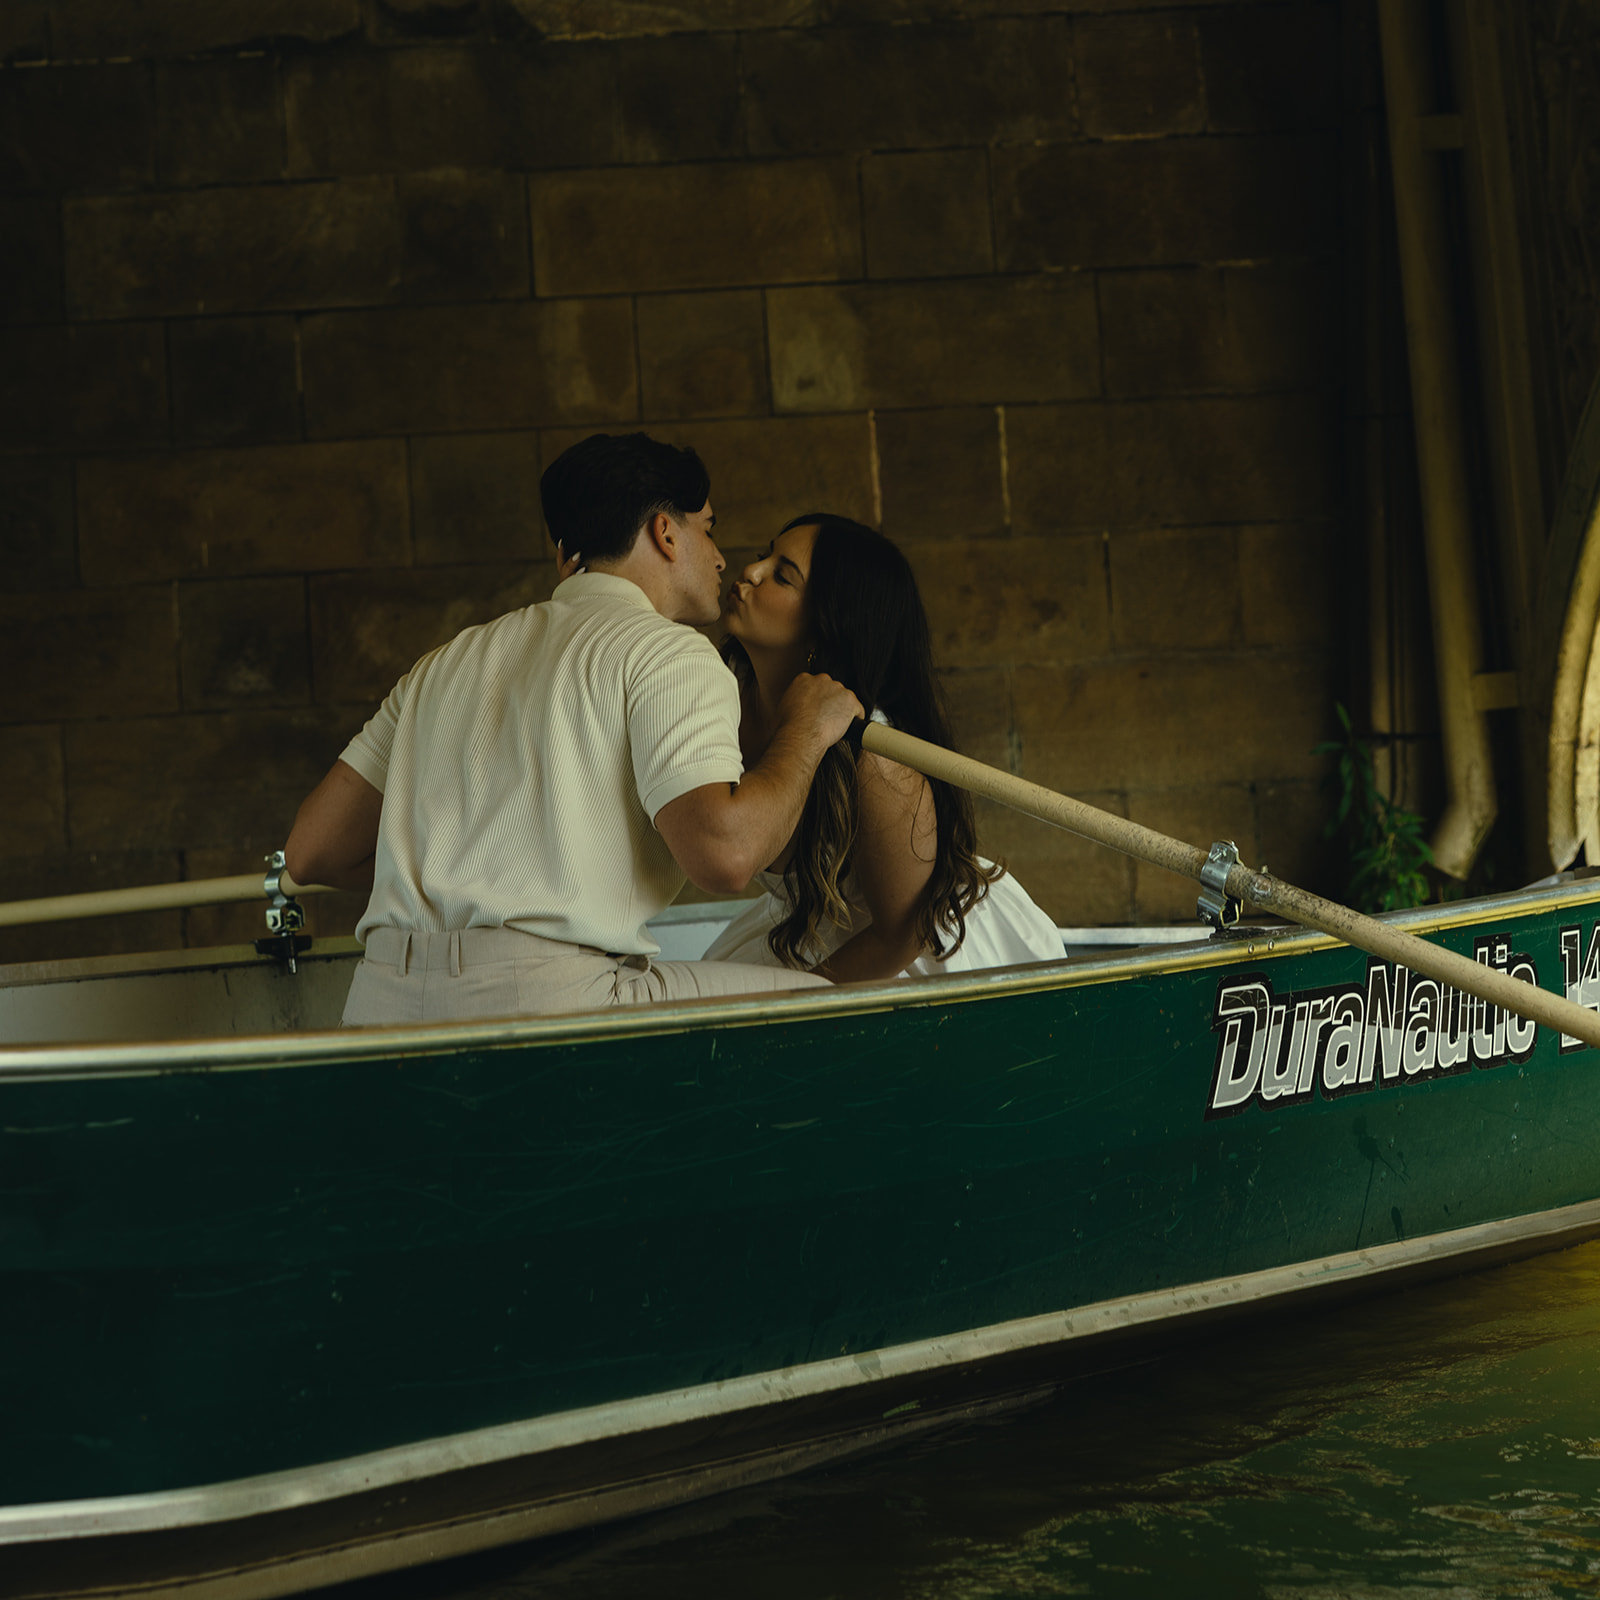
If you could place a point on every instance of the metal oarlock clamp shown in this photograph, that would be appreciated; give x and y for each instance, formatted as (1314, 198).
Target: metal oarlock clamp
(1216, 905)
(286, 918)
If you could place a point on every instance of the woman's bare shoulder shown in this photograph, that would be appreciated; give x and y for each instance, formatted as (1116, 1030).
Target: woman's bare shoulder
(884, 778)
(891, 795)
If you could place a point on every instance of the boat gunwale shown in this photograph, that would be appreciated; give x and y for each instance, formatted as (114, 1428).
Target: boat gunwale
(254, 1052)
(32, 1523)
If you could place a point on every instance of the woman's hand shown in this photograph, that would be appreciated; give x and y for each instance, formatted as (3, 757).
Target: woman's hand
(567, 565)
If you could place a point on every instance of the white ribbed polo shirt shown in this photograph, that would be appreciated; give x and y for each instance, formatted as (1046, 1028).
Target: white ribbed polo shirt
(522, 766)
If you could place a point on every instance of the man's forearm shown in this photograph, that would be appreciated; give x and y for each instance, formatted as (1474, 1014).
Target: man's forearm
(335, 831)
(767, 804)
(722, 836)
(357, 876)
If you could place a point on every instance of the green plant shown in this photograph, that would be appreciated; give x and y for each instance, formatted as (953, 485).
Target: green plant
(1384, 847)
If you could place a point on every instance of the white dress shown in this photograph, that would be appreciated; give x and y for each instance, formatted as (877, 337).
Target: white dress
(1005, 927)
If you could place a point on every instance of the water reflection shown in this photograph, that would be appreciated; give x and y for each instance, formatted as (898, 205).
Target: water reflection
(1441, 1442)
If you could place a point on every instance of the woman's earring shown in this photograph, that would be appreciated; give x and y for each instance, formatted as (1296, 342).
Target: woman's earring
(811, 660)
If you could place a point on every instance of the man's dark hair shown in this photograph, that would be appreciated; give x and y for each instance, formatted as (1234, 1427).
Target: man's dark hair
(600, 493)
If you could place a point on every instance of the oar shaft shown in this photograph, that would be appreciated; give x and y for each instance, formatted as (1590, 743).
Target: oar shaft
(1257, 888)
(1407, 950)
(149, 897)
(1063, 811)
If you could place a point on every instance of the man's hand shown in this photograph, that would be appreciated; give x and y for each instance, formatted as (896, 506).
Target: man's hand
(820, 707)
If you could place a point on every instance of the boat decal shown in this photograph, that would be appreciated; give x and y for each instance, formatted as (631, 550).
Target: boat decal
(1395, 1026)
(1580, 972)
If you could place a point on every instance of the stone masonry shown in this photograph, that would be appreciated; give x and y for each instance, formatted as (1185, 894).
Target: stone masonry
(298, 296)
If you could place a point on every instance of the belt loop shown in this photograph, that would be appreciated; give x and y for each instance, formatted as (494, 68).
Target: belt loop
(405, 955)
(455, 954)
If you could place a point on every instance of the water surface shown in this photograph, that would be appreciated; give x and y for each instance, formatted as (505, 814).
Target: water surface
(1443, 1441)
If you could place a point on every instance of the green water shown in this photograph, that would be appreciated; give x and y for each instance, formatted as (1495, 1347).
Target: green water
(1439, 1442)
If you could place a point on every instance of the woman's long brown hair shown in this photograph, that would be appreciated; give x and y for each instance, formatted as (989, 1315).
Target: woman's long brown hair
(872, 635)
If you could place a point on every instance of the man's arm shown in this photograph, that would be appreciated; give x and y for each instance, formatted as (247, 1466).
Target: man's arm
(335, 831)
(721, 834)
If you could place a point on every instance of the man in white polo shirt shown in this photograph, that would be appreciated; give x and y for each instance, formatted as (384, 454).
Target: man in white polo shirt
(531, 793)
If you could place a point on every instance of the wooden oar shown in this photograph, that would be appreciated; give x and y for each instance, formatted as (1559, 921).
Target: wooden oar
(150, 897)
(1244, 883)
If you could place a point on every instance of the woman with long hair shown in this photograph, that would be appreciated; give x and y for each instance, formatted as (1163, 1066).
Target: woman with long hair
(882, 875)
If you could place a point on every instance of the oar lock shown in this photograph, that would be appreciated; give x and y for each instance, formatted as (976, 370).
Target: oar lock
(1215, 904)
(286, 917)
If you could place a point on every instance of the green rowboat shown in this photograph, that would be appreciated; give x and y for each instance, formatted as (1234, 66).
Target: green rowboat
(284, 1305)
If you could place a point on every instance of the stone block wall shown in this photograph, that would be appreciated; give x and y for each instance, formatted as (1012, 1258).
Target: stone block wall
(298, 296)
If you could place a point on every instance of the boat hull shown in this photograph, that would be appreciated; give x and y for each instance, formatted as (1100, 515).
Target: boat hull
(750, 1235)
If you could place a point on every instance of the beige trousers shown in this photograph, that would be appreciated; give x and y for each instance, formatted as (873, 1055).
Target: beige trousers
(501, 972)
